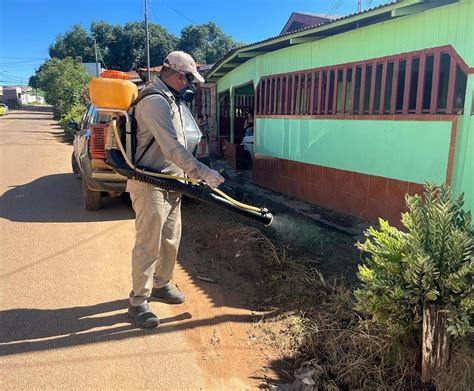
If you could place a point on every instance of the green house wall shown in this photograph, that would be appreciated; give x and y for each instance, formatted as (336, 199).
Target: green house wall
(395, 147)
(413, 151)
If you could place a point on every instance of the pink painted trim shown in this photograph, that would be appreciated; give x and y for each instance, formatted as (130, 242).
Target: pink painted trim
(451, 85)
(375, 117)
(353, 84)
(421, 85)
(320, 91)
(362, 89)
(373, 78)
(344, 90)
(435, 84)
(406, 90)
(382, 87)
(311, 101)
(393, 99)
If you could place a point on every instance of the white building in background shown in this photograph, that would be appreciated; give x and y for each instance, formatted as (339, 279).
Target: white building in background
(93, 68)
(19, 95)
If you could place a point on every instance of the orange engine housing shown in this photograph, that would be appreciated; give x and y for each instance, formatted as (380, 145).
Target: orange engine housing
(97, 141)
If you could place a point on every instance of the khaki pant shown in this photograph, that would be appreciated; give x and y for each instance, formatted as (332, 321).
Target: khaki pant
(158, 233)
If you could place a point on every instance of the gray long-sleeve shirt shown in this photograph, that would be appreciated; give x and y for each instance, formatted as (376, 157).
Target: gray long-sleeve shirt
(161, 118)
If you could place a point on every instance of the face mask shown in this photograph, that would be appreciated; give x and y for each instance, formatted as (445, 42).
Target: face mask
(186, 94)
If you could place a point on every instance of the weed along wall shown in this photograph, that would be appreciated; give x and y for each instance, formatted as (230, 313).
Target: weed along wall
(353, 114)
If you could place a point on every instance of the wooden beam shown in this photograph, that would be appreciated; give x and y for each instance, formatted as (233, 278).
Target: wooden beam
(362, 88)
(311, 101)
(231, 65)
(296, 41)
(451, 85)
(412, 9)
(353, 85)
(334, 98)
(435, 83)
(251, 54)
(393, 99)
(373, 78)
(382, 88)
(407, 86)
(421, 85)
(320, 91)
(344, 90)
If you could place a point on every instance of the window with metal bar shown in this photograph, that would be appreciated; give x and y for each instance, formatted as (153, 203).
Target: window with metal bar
(430, 81)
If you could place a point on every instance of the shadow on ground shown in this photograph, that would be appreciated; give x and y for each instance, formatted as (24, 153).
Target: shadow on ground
(26, 330)
(56, 198)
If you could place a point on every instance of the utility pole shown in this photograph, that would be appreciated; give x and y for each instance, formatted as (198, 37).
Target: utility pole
(359, 5)
(97, 70)
(147, 42)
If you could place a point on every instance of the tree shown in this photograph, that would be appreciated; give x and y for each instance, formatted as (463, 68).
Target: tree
(63, 81)
(207, 43)
(119, 47)
(76, 43)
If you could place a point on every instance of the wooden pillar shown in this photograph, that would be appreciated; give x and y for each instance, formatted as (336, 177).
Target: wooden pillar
(393, 99)
(435, 83)
(363, 73)
(232, 114)
(421, 85)
(435, 348)
(382, 88)
(451, 85)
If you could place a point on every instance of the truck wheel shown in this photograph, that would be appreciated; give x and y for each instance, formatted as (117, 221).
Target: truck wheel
(75, 167)
(92, 199)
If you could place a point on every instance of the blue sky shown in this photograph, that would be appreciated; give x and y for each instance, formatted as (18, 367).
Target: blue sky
(28, 27)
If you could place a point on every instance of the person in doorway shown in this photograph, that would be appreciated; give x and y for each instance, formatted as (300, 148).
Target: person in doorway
(161, 146)
(248, 124)
(203, 125)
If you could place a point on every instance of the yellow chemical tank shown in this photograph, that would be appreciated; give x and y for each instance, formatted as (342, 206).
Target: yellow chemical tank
(112, 90)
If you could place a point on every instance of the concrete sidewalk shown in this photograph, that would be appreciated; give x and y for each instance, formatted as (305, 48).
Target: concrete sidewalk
(240, 183)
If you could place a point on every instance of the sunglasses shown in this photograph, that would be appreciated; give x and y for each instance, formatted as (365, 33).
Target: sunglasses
(189, 77)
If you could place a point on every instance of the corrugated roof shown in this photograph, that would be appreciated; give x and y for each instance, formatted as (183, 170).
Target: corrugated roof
(354, 17)
(325, 16)
(325, 23)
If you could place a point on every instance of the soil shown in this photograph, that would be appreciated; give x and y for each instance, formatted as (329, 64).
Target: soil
(222, 268)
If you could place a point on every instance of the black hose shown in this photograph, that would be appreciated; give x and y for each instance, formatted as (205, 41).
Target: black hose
(199, 192)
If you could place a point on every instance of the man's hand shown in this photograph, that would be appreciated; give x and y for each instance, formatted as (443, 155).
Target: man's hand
(212, 178)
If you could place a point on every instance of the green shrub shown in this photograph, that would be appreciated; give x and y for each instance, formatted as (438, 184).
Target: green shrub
(74, 115)
(432, 262)
(63, 82)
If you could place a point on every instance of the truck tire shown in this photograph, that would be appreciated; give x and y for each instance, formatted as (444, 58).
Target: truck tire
(92, 199)
(75, 167)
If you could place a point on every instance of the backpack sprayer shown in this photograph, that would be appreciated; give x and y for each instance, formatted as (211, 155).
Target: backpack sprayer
(115, 96)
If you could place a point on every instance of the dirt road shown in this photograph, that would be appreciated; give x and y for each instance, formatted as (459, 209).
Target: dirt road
(65, 277)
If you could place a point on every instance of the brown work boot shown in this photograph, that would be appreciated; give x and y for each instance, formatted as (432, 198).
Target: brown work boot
(169, 294)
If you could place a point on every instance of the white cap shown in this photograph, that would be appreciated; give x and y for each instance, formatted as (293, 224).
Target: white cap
(182, 62)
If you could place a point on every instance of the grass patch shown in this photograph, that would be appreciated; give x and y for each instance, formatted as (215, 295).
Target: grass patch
(322, 340)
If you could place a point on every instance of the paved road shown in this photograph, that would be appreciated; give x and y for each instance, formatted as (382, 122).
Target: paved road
(64, 277)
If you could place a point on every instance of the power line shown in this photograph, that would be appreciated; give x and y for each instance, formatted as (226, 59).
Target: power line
(23, 58)
(334, 8)
(20, 62)
(177, 12)
(12, 76)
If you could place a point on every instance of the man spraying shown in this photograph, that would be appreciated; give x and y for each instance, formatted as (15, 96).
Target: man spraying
(161, 146)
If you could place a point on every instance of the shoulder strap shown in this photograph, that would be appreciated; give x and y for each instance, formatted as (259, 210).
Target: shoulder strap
(132, 112)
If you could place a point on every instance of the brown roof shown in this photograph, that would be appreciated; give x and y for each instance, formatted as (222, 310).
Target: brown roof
(133, 75)
(152, 69)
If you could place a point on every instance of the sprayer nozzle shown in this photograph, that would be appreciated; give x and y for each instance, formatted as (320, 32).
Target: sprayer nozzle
(267, 218)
